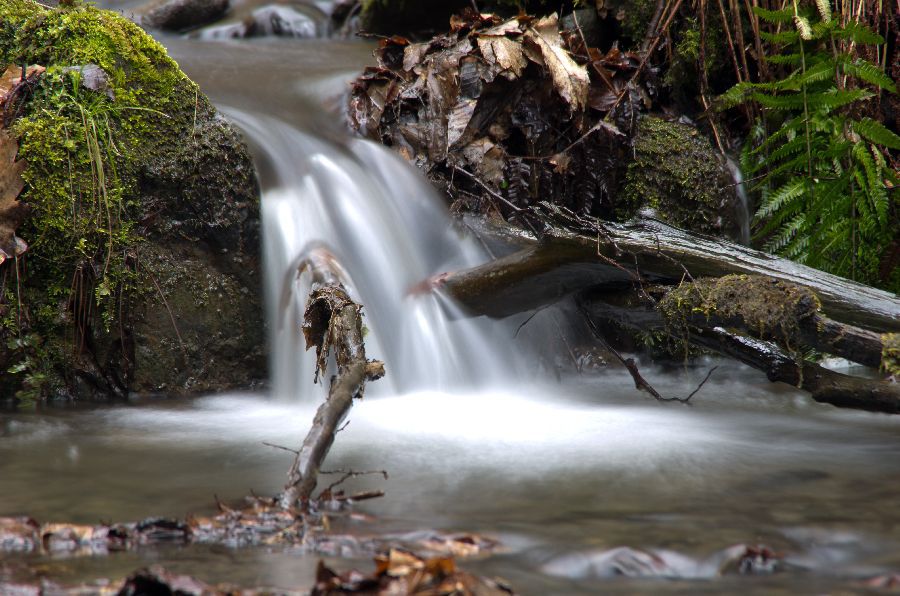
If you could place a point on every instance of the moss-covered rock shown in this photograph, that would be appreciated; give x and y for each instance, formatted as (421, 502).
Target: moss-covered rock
(119, 181)
(677, 173)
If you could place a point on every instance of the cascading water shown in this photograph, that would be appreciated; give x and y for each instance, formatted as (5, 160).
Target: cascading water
(388, 232)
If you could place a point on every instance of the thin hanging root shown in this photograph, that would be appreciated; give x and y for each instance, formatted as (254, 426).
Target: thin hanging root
(333, 325)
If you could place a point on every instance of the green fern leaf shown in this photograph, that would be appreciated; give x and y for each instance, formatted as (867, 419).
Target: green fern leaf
(870, 73)
(836, 98)
(857, 33)
(794, 59)
(784, 15)
(787, 193)
(876, 132)
(786, 37)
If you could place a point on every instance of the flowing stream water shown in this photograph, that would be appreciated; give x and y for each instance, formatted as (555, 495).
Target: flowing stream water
(477, 434)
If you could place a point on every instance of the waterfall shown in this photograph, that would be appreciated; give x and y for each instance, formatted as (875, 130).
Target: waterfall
(388, 231)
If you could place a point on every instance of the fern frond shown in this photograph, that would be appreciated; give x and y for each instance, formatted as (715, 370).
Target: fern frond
(876, 132)
(787, 193)
(774, 16)
(786, 234)
(791, 102)
(735, 96)
(868, 72)
(801, 24)
(836, 98)
(794, 59)
(858, 33)
(788, 36)
(824, 8)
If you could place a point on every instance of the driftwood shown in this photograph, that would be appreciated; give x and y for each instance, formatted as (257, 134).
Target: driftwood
(333, 324)
(618, 273)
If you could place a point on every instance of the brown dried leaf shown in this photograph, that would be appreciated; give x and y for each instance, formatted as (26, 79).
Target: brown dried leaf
(413, 54)
(570, 79)
(458, 119)
(12, 211)
(507, 53)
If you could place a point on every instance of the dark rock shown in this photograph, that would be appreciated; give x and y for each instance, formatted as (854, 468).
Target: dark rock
(179, 15)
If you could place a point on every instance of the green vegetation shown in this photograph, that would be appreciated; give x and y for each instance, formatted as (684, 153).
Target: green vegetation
(828, 194)
(109, 162)
(677, 173)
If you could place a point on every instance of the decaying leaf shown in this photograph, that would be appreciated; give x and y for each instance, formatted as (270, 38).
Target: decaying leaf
(569, 78)
(402, 572)
(12, 211)
(507, 53)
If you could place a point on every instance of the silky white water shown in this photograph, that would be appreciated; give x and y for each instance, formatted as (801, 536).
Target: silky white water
(388, 232)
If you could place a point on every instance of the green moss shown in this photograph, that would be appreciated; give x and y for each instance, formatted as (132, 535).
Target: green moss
(890, 354)
(93, 159)
(769, 308)
(677, 173)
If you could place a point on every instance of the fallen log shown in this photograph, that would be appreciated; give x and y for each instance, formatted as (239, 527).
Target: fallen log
(333, 325)
(646, 251)
(823, 385)
(613, 269)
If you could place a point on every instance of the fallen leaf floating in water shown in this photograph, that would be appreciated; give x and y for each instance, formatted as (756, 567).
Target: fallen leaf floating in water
(12, 211)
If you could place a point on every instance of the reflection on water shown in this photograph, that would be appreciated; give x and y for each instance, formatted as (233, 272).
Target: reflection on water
(561, 474)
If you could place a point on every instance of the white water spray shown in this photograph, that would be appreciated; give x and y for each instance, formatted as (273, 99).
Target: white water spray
(388, 231)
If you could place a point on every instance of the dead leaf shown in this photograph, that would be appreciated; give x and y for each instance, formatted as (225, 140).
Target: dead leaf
(12, 211)
(561, 162)
(507, 53)
(570, 79)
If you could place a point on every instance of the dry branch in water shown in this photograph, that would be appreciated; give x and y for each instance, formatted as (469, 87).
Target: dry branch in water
(333, 325)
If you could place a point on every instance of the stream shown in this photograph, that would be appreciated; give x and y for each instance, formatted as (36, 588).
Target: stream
(476, 431)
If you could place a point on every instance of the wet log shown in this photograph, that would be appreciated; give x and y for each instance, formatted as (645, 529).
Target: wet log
(333, 325)
(823, 385)
(616, 255)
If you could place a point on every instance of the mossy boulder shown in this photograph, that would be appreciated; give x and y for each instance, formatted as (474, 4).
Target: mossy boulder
(677, 173)
(124, 183)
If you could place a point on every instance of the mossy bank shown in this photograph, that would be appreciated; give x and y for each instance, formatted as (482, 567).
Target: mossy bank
(141, 194)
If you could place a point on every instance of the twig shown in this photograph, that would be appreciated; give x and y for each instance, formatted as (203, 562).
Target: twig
(702, 383)
(283, 448)
(347, 475)
(528, 320)
(486, 188)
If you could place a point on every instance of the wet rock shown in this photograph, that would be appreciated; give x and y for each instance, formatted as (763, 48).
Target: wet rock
(179, 15)
(273, 20)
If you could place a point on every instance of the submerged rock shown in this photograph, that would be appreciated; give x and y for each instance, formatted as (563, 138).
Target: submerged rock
(144, 223)
(272, 20)
(179, 15)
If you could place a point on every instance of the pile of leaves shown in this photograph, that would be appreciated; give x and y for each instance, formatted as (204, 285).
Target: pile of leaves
(507, 113)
